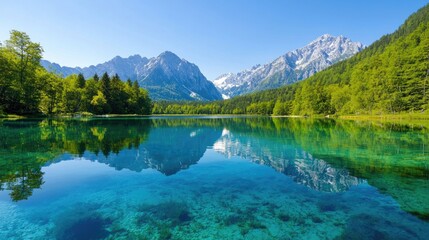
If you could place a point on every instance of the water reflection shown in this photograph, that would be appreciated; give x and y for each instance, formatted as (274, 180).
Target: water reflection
(287, 159)
(27, 145)
(324, 155)
(167, 150)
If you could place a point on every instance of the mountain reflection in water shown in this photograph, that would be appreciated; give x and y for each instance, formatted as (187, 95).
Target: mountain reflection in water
(325, 155)
(287, 159)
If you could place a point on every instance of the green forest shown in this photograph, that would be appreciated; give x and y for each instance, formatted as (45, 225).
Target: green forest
(389, 76)
(26, 88)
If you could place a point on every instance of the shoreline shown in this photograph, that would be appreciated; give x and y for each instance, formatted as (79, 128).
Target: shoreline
(383, 117)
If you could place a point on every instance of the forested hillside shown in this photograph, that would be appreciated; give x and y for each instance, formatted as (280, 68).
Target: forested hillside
(389, 76)
(27, 88)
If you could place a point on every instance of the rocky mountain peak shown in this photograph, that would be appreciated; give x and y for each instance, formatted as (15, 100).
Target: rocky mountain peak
(290, 67)
(169, 58)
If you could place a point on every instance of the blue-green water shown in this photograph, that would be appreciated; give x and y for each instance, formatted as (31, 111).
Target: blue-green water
(213, 178)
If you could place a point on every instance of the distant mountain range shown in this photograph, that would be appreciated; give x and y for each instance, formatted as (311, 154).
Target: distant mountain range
(166, 77)
(290, 67)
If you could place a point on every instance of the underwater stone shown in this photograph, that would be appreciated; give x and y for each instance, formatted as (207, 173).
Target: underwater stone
(86, 228)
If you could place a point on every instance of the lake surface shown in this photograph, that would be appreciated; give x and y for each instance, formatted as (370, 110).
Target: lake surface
(213, 178)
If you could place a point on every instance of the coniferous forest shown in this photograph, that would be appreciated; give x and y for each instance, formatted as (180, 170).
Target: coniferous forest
(27, 88)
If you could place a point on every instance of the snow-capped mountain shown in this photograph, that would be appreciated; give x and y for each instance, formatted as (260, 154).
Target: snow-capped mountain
(290, 67)
(166, 77)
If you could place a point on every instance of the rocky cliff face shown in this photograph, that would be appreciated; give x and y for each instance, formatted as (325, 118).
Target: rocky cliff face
(167, 77)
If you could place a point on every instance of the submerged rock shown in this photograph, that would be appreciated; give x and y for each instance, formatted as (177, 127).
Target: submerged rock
(81, 224)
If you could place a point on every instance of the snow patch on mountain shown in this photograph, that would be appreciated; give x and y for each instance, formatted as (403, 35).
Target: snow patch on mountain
(290, 67)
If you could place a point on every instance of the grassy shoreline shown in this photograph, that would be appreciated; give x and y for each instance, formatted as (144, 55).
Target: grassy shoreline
(420, 120)
(400, 116)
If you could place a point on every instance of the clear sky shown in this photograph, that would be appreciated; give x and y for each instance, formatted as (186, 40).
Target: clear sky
(218, 35)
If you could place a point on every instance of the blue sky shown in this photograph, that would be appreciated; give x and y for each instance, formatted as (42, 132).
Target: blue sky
(218, 35)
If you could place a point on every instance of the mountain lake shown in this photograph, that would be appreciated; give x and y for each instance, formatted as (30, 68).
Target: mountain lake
(213, 177)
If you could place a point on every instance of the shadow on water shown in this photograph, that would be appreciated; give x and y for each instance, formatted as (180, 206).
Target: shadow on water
(325, 155)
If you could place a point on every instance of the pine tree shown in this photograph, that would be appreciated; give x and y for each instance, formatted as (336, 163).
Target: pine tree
(80, 82)
(118, 96)
(105, 90)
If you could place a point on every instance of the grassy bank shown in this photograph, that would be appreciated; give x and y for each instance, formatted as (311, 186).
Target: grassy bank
(399, 116)
(412, 119)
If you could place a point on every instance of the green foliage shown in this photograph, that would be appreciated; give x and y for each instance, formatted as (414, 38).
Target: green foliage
(27, 88)
(262, 108)
(20, 69)
(71, 97)
(99, 103)
(139, 100)
(80, 82)
(51, 94)
(88, 94)
(96, 78)
(282, 108)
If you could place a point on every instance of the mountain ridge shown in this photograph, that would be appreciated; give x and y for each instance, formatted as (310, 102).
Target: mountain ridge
(166, 77)
(290, 67)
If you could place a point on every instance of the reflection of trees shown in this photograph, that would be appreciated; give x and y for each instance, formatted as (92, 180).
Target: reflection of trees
(169, 148)
(105, 136)
(386, 148)
(27, 145)
(22, 155)
(25, 181)
(22, 181)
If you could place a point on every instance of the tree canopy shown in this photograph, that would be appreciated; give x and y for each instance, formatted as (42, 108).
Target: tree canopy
(27, 88)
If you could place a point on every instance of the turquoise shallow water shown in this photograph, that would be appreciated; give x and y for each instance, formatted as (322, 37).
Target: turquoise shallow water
(212, 178)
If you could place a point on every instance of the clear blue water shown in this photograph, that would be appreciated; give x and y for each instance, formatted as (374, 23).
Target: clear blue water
(212, 178)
